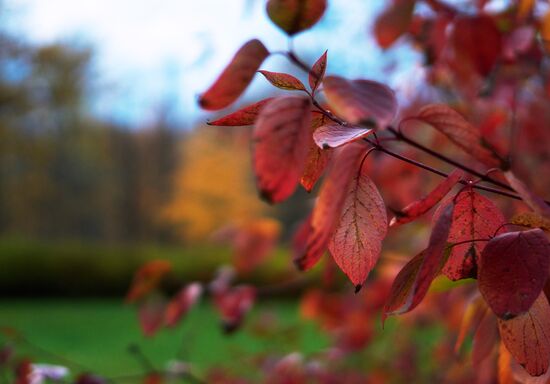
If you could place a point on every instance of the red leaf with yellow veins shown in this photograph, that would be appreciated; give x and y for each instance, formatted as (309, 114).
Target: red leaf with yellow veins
(317, 72)
(334, 135)
(361, 102)
(317, 158)
(244, 116)
(283, 81)
(357, 240)
(513, 269)
(329, 204)
(527, 337)
(413, 281)
(420, 207)
(235, 77)
(457, 129)
(475, 217)
(294, 16)
(393, 22)
(281, 137)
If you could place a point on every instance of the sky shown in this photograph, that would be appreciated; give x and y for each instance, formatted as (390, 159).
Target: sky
(152, 55)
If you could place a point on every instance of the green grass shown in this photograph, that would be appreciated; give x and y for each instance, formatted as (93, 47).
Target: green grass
(96, 335)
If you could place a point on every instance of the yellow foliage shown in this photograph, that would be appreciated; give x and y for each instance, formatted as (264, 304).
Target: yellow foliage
(213, 184)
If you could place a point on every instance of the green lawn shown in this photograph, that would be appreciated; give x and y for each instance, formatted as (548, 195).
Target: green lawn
(96, 334)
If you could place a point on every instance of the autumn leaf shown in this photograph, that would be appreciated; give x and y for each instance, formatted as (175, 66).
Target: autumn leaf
(317, 158)
(357, 239)
(283, 81)
(475, 217)
(485, 339)
(413, 281)
(294, 16)
(235, 77)
(281, 138)
(328, 206)
(505, 374)
(457, 129)
(147, 278)
(181, 303)
(527, 337)
(393, 22)
(545, 31)
(475, 312)
(361, 102)
(536, 203)
(151, 314)
(233, 304)
(334, 135)
(513, 269)
(477, 43)
(317, 72)
(244, 116)
(420, 207)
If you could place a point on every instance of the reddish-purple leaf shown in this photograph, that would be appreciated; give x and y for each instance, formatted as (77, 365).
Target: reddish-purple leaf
(317, 72)
(294, 16)
(328, 206)
(485, 339)
(393, 22)
(334, 135)
(283, 81)
(357, 240)
(413, 281)
(457, 129)
(420, 207)
(317, 158)
(281, 137)
(513, 269)
(233, 304)
(361, 102)
(534, 202)
(235, 77)
(181, 303)
(475, 217)
(527, 337)
(244, 116)
(151, 314)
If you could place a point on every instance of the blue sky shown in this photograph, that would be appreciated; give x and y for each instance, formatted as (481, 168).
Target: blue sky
(150, 53)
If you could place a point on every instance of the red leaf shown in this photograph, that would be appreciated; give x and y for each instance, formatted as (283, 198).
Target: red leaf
(281, 138)
(147, 278)
(534, 202)
(420, 207)
(328, 206)
(474, 217)
(317, 158)
(181, 303)
(235, 77)
(244, 116)
(318, 72)
(477, 43)
(283, 81)
(357, 240)
(527, 337)
(485, 339)
(457, 129)
(361, 102)
(513, 269)
(151, 314)
(294, 16)
(334, 135)
(233, 304)
(413, 281)
(393, 22)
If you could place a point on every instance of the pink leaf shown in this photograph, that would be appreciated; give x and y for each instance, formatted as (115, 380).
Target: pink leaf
(334, 135)
(318, 72)
(283, 81)
(361, 102)
(182, 302)
(244, 116)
